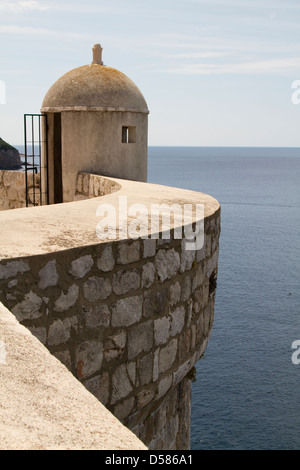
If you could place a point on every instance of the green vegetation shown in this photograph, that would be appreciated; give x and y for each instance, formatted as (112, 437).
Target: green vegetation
(5, 146)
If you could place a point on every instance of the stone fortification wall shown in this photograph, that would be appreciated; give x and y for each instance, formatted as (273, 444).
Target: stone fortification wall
(12, 189)
(89, 185)
(129, 318)
(13, 196)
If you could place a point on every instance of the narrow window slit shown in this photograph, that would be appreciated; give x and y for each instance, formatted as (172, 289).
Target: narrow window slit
(128, 134)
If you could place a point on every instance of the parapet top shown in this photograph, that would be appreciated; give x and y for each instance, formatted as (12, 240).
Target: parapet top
(97, 54)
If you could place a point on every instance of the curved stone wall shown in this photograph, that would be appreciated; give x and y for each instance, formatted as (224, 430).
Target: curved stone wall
(128, 317)
(89, 185)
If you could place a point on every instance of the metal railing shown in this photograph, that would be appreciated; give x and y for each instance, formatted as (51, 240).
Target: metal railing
(36, 159)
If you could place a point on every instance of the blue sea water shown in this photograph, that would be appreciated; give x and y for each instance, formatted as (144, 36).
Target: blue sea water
(246, 395)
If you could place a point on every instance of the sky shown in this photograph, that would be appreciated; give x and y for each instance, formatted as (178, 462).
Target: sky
(213, 72)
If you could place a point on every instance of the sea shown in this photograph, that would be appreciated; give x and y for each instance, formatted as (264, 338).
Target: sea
(247, 390)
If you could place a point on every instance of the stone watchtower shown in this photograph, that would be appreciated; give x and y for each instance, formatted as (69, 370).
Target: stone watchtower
(97, 123)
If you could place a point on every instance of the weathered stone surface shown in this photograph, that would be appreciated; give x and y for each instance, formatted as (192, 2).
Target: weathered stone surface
(13, 268)
(205, 291)
(186, 288)
(114, 346)
(165, 240)
(207, 245)
(12, 283)
(200, 254)
(167, 263)
(140, 339)
(127, 311)
(148, 274)
(145, 369)
(89, 357)
(144, 397)
(81, 266)
(12, 193)
(79, 185)
(60, 331)
(40, 333)
(106, 261)
(198, 298)
(198, 277)
(96, 288)
(29, 308)
(86, 184)
(128, 253)
(187, 256)
(99, 386)
(189, 311)
(200, 328)
(64, 357)
(164, 385)
(125, 281)
(123, 409)
(121, 386)
(212, 263)
(48, 275)
(13, 178)
(155, 304)
(207, 319)
(184, 345)
(156, 364)
(161, 417)
(131, 371)
(193, 337)
(97, 315)
(183, 369)
(177, 320)
(149, 247)
(175, 293)
(171, 432)
(199, 353)
(162, 330)
(65, 301)
(215, 242)
(11, 297)
(167, 356)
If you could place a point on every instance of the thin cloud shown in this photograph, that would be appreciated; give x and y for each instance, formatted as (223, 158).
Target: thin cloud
(195, 55)
(248, 3)
(27, 30)
(21, 6)
(253, 67)
(218, 46)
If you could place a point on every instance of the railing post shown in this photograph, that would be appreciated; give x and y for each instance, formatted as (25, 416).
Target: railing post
(42, 149)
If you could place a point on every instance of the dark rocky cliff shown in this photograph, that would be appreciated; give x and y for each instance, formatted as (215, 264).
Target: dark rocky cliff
(9, 157)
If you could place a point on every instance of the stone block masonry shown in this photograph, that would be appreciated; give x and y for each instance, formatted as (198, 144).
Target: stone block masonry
(12, 189)
(129, 318)
(13, 192)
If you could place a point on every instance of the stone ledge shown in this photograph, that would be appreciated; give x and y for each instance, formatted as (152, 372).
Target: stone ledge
(47, 229)
(43, 406)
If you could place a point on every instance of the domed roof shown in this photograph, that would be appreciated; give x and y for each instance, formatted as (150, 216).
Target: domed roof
(94, 87)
